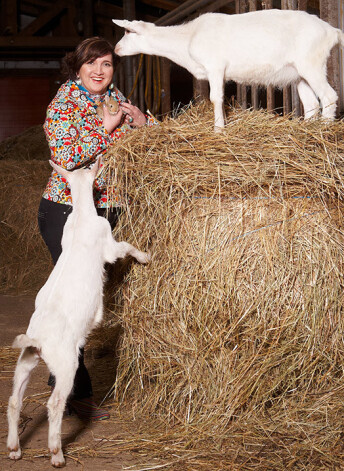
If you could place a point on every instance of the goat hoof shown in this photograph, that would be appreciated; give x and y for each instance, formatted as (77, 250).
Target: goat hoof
(57, 460)
(13, 448)
(59, 464)
(15, 454)
(144, 257)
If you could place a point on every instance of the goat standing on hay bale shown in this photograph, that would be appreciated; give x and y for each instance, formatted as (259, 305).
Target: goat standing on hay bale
(67, 307)
(268, 47)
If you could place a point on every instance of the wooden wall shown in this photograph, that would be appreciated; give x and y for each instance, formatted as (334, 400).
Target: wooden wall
(23, 102)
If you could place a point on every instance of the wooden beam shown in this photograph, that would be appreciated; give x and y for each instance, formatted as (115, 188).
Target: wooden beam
(142, 91)
(129, 14)
(44, 19)
(295, 99)
(270, 98)
(287, 108)
(36, 3)
(164, 4)
(71, 22)
(252, 6)
(181, 12)
(214, 6)
(108, 11)
(38, 42)
(34, 8)
(165, 86)
(329, 12)
(270, 91)
(200, 90)
(303, 5)
(105, 12)
(241, 7)
(67, 24)
(148, 89)
(9, 17)
(88, 18)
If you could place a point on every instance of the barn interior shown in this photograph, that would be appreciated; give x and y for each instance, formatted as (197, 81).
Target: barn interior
(36, 34)
(226, 352)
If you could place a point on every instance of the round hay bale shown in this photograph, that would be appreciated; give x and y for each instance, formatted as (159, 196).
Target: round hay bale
(28, 145)
(24, 259)
(233, 332)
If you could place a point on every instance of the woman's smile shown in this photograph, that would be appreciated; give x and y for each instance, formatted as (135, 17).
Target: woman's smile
(96, 75)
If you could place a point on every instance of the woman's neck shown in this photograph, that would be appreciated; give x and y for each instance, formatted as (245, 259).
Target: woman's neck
(96, 97)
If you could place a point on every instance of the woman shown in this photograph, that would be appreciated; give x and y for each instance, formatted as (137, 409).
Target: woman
(77, 136)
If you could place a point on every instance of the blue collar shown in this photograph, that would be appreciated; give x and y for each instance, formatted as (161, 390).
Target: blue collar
(88, 94)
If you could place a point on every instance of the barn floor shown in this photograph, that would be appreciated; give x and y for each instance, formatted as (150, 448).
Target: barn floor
(83, 440)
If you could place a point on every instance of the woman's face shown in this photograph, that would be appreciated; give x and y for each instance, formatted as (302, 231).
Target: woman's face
(96, 75)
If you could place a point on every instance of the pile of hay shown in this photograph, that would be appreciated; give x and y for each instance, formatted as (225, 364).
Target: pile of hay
(25, 261)
(28, 145)
(233, 335)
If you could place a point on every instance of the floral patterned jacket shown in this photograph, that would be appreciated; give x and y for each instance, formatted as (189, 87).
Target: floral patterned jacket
(76, 135)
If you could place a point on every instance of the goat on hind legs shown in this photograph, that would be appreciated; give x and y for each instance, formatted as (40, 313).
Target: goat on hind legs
(67, 307)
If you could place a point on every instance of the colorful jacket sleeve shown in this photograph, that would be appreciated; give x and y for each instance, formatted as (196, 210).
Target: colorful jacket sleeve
(74, 136)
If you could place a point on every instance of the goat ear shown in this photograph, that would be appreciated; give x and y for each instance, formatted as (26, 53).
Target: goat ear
(132, 26)
(122, 23)
(62, 171)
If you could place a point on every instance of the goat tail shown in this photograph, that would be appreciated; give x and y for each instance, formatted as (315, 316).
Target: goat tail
(23, 341)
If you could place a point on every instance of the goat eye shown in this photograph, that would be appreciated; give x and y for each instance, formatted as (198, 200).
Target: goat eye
(126, 32)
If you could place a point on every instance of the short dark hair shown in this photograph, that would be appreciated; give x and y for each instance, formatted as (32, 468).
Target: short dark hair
(89, 49)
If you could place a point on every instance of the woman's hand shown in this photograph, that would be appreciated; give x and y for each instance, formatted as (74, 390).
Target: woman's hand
(111, 121)
(133, 116)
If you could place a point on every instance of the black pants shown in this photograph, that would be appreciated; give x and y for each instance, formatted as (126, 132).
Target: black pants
(51, 220)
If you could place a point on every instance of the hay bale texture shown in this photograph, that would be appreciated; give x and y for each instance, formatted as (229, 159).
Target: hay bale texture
(24, 171)
(28, 145)
(25, 262)
(233, 335)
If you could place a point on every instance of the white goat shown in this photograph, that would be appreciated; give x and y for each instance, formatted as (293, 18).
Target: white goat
(67, 308)
(268, 47)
